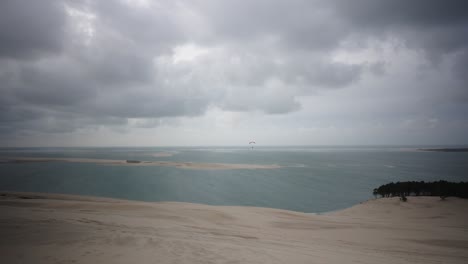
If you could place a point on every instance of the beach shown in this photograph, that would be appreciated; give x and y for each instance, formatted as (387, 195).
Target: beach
(52, 228)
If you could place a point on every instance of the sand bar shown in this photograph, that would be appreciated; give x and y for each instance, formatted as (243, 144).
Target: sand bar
(40, 228)
(164, 154)
(183, 165)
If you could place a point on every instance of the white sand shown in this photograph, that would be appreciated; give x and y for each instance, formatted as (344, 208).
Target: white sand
(73, 229)
(183, 165)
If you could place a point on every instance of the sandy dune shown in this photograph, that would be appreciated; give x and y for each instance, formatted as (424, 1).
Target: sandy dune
(183, 165)
(38, 228)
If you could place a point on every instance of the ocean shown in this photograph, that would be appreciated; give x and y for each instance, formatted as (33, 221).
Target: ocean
(311, 179)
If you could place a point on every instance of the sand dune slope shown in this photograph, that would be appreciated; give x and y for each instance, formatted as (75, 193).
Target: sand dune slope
(39, 228)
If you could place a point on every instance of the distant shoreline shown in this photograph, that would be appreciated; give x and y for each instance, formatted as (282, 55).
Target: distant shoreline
(444, 149)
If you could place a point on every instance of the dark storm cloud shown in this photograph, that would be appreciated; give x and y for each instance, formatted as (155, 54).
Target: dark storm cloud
(30, 28)
(66, 65)
(461, 65)
(432, 24)
(52, 87)
(416, 13)
(438, 27)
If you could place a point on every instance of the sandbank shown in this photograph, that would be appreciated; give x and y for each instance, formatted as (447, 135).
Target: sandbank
(164, 154)
(183, 165)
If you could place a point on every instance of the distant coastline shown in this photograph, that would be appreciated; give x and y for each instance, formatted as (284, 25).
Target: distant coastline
(444, 149)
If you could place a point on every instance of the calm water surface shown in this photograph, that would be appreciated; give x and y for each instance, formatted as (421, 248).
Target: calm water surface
(312, 179)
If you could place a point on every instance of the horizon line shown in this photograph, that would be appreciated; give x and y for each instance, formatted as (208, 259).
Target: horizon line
(246, 145)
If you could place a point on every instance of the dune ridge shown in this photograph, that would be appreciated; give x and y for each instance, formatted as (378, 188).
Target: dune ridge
(52, 228)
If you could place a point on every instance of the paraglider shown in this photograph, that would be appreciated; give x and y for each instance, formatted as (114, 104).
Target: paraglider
(251, 144)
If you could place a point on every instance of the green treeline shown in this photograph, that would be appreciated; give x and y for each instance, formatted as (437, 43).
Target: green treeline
(415, 188)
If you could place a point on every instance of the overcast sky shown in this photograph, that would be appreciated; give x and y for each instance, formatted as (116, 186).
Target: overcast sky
(149, 73)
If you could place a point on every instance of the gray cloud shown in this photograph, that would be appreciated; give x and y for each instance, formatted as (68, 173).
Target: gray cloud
(30, 28)
(71, 65)
(418, 13)
(437, 27)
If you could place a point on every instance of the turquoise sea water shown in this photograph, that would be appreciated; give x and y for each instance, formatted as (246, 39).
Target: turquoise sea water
(312, 179)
